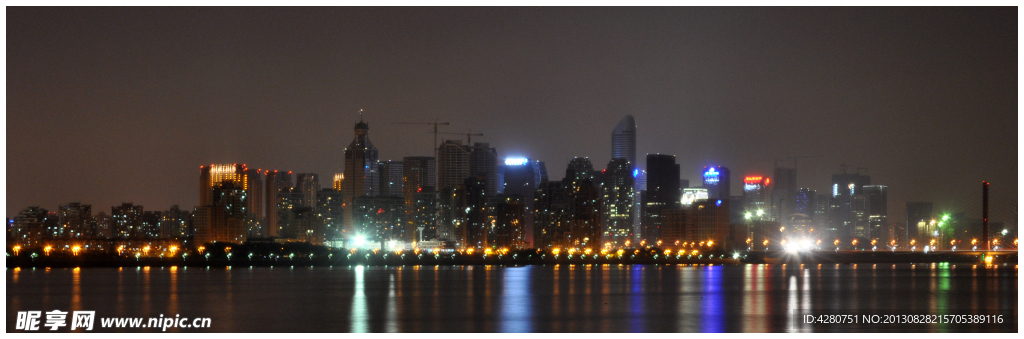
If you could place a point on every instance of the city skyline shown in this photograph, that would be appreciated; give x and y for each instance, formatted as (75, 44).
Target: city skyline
(109, 143)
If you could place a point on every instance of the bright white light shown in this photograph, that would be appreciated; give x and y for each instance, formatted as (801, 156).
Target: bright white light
(516, 161)
(358, 241)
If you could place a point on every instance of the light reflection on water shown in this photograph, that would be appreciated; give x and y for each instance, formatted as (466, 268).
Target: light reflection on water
(560, 298)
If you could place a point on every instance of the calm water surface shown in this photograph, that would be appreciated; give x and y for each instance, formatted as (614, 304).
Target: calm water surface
(741, 298)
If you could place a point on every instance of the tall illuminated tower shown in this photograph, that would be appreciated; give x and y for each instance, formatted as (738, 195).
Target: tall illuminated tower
(624, 140)
(360, 174)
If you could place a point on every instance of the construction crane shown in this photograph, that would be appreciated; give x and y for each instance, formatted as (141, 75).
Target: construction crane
(435, 123)
(469, 136)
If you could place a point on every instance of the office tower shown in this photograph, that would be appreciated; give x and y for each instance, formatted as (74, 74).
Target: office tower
(483, 162)
(175, 223)
(75, 221)
(292, 212)
(308, 185)
(756, 197)
(380, 221)
(639, 191)
(662, 192)
(391, 182)
(28, 229)
(584, 205)
(877, 212)
(254, 183)
(522, 177)
(624, 140)
(783, 193)
(127, 221)
(551, 210)
(919, 214)
(330, 213)
(477, 225)
(360, 173)
(453, 164)
(617, 201)
(847, 194)
(151, 224)
(508, 223)
(716, 180)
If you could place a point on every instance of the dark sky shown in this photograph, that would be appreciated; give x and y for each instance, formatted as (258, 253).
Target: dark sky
(106, 105)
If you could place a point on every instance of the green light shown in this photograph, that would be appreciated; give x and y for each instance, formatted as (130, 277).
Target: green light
(945, 217)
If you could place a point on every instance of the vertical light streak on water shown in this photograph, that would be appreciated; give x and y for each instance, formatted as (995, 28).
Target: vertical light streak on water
(764, 290)
(687, 304)
(932, 288)
(805, 299)
(359, 321)
(391, 325)
(76, 289)
(146, 295)
(791, 304)
(854, 290)
(712, 315)
(556, 299)
(837, 301)
(636, 297)
(943, 295)
(516, 301)
(748, 295)
(172, 298)
(606, 306)
(436, 314)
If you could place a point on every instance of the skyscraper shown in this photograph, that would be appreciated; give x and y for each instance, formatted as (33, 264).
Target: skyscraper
(877, 212)
(624, 140)
(521, 177)
(308, 184)
(391, 182)
(75, 220)
(783, 191)
(453, 164)
(756, 197)
(483, 162)
(917, 213)
(277, 182)
(716, 180)
(846, 220)
(360, 174)
(584, 205)
(127, 220)
(662, 192)
(617, 199)
(254, 186)
(418, 176)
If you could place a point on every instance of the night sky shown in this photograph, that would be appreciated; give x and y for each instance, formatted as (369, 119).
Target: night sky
(106, 105)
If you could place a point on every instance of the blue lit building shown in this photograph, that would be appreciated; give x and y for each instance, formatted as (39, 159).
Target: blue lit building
(716, 180)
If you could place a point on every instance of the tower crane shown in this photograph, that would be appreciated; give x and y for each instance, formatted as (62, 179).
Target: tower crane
(469, 136)
(435, 123)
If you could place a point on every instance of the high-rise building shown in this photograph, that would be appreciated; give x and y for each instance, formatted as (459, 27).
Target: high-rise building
(151, 224)
(662, 192)
(76, 221)
(522, 177)
(175, 223)
(104, 223)
(391, 181)
(254, 189)
(224, 219)
(877, 212)
(380, 221)
(918, 213)
(360, 174)
(639, 191)
(330, 213)
(308, 185)
(804, 202)
(28, 229)
(704, 221)
(451, 215)
(624, 140)
(783, 193)
(477, 212)
(419, 174)
(210, 176)
(339, 178)
(277, 182)
(551, 210)
(453, 164)
(127, 220)
(483, 162)
(756, 197)
(508, 223)
(617, 199)
(847, 194)
(716, 180)
(584, 205)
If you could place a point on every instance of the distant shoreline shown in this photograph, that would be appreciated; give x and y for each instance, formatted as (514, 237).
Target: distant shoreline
(424, 259)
